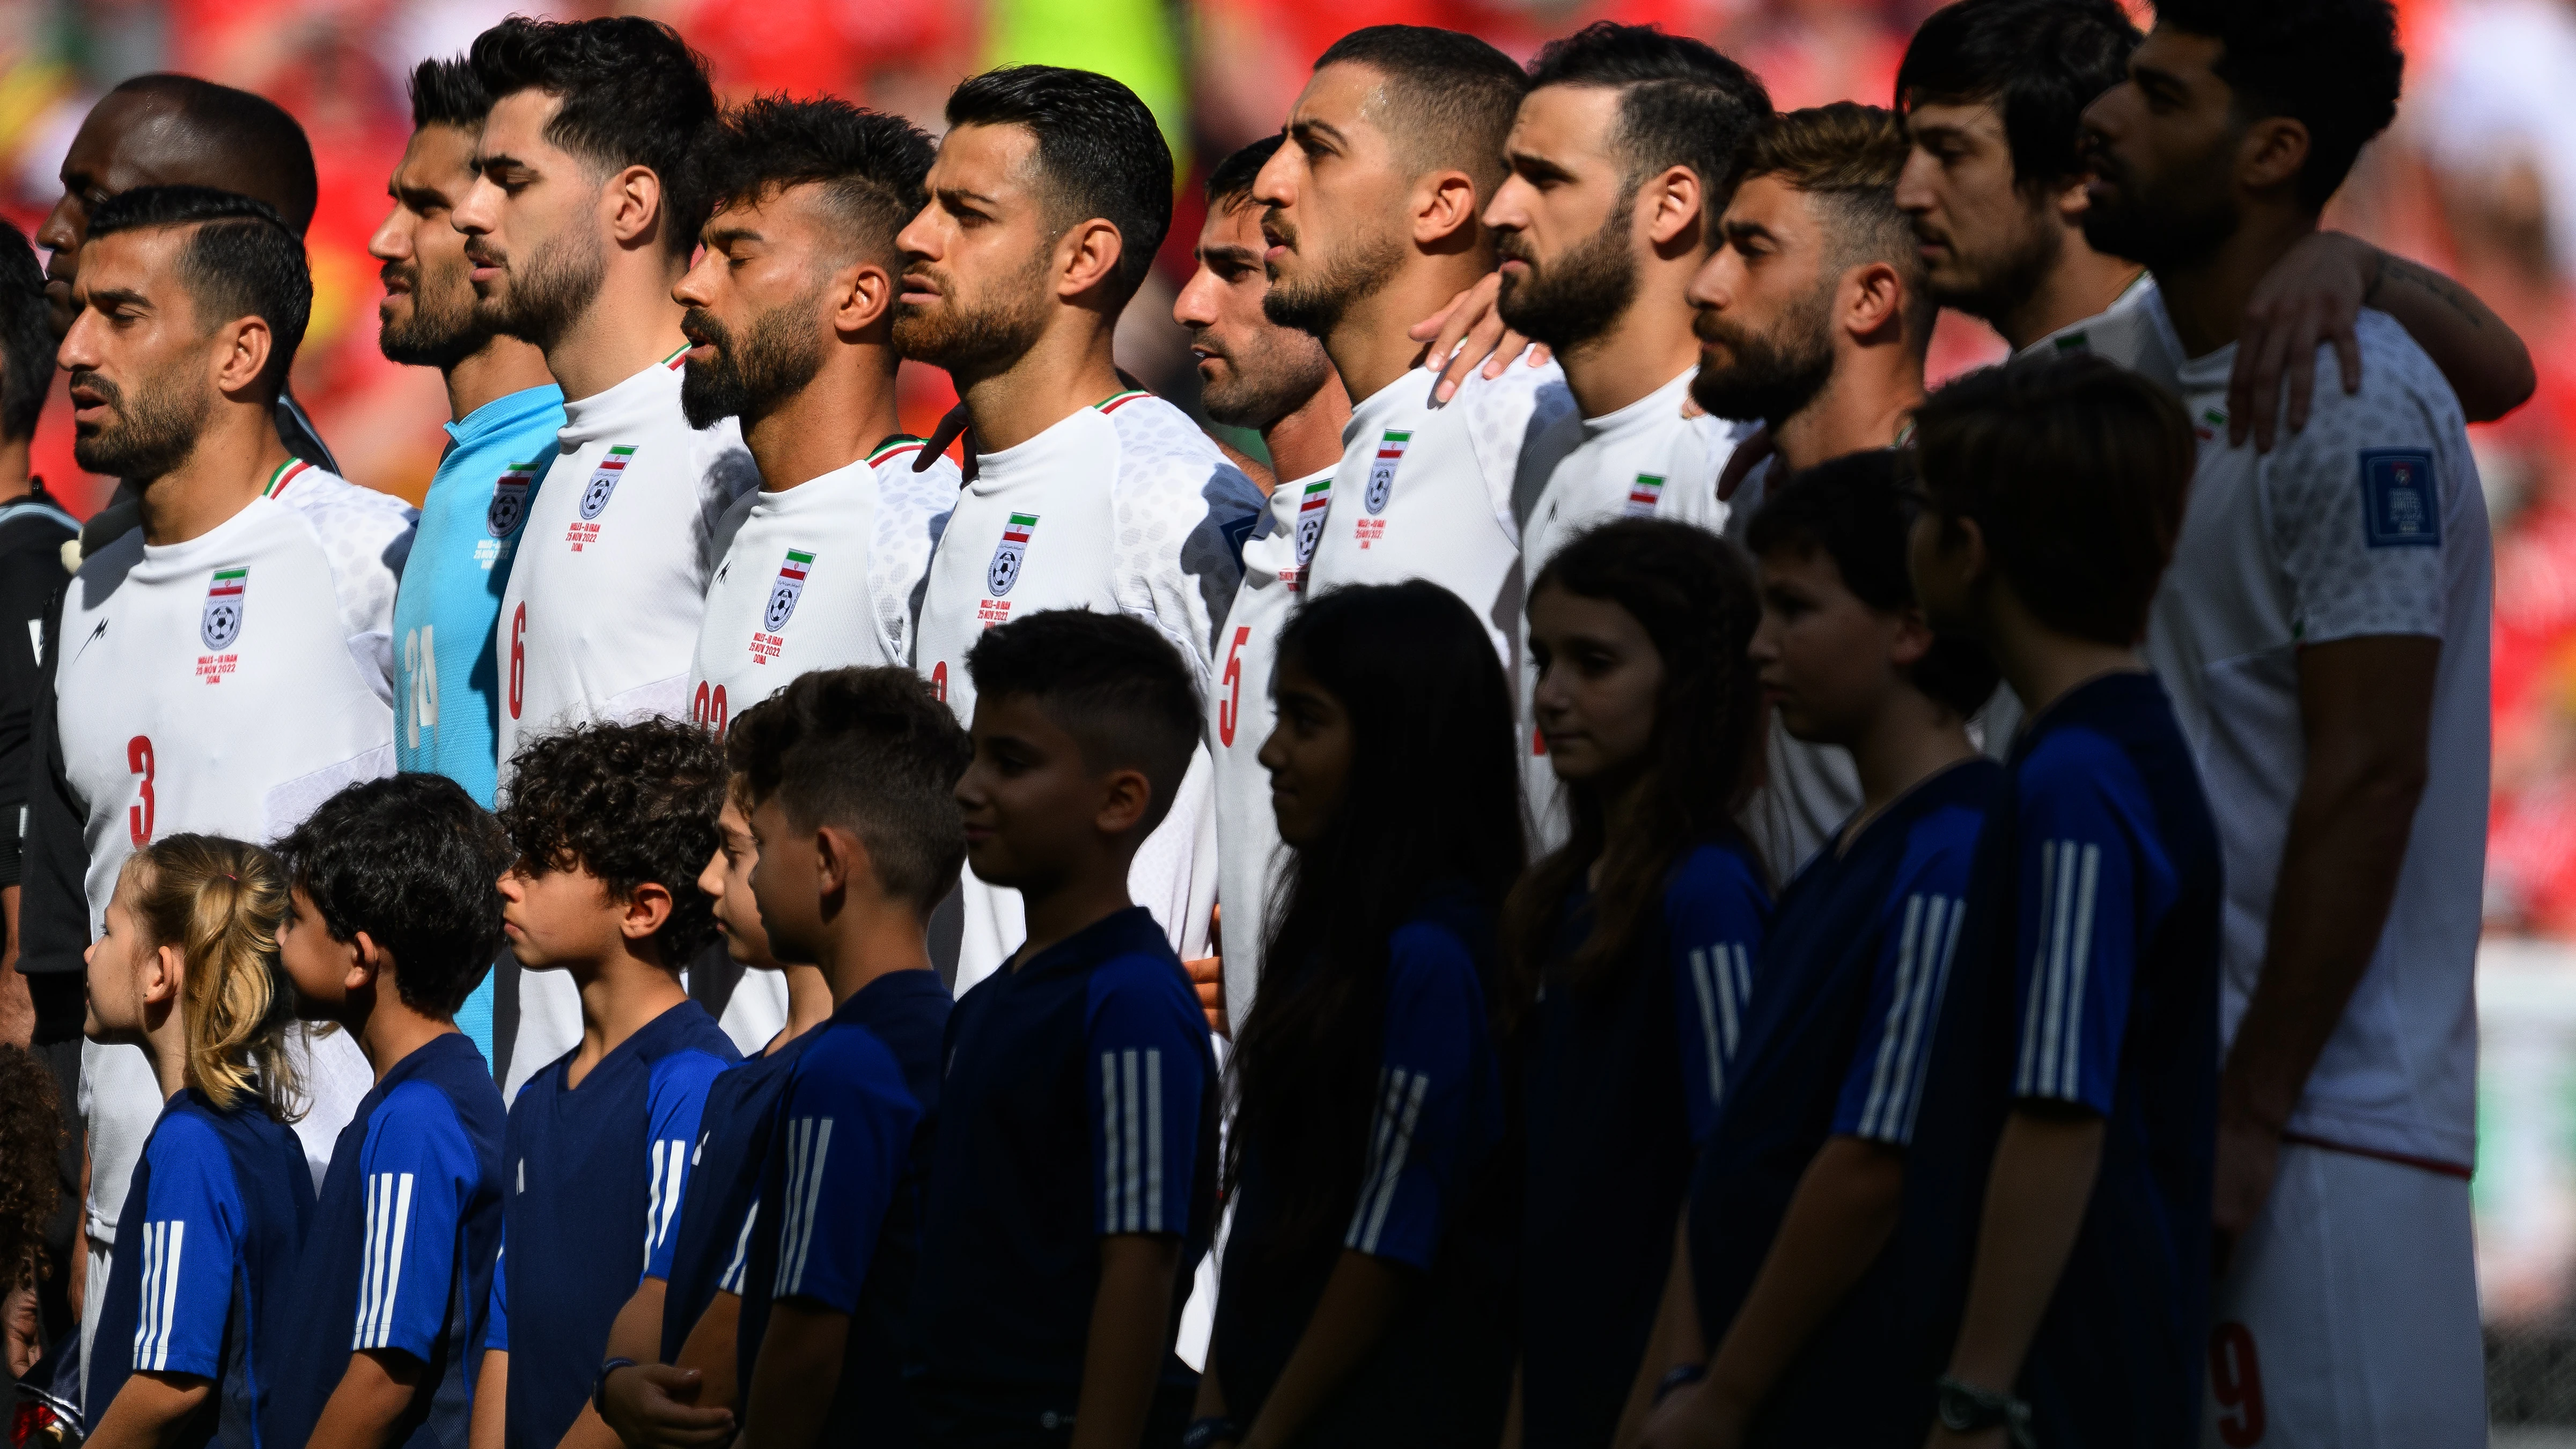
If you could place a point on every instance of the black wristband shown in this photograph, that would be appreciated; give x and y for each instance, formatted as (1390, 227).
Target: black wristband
(1214, 1429)
(599, 1385)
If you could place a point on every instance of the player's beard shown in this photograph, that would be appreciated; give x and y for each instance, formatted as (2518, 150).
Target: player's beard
(1577, 297)
(2163, 227)
(1993, 286)
(151, 433)
(1772, 375)
(441, 331)
(549, 289)
(1268, 376)
(978, 339)
(751, 375)
(1339, 280)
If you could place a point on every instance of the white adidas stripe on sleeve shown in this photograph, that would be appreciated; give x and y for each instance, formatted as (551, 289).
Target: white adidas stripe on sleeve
(1131, 1105)
(1400, 1095)
(2052, 1037)
(388, 1226)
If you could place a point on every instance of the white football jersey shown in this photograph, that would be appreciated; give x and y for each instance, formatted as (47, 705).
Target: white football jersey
(2369, 521)
(2133, 332)
(1239, 718)
(1426, 492)
(1650, 459)
(600, 618)
(1122, 506)
(226, 685)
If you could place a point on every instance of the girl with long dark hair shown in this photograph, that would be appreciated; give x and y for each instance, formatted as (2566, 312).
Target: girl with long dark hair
(1632, 946)
(1364, 1296)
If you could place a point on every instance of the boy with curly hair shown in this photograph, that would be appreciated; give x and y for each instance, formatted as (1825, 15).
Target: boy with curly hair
(610, 825)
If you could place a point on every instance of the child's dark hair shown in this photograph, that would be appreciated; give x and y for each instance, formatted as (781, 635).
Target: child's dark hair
(1692, 593)
(1112, 682)
(1432, 800)
(221, 903)
(31, 1150)
(1855, 511)
(872, 751)
(411, 861)
(2076, 470)
(630, 803)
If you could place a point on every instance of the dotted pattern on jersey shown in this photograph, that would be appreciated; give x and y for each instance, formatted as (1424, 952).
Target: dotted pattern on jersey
(726, 474)
(367, 536)
(1504, 416)
(912, 511)
(1174, 498)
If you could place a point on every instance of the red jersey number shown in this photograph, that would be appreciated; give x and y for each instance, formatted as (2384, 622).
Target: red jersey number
(518, 659)
(2236, 1382)
(708, 708)
(1230, 708)
(939, 681)
(138, 816)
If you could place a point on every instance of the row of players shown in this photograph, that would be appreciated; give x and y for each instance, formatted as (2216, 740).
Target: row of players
(1643, 183)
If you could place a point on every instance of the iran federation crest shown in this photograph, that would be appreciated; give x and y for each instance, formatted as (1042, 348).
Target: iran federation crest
(603, 481)
(1311, 507)
(1010, 554)
(1644, 494)
(1390, 451)
(510, 499)
(221, 624)
(789, 588)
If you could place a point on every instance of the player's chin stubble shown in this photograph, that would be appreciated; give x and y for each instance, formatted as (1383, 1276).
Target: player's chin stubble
(148, 435)
(975, 341)
(751, 375)
(1315, 301)
(549, 290)
(439, 330)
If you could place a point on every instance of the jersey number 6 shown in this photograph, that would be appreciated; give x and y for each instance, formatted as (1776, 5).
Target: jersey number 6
(518, 658)
(138, 816)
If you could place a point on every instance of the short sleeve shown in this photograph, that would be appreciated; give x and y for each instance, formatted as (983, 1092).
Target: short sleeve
(496, 1332)
(2081, 870)
(1183, 513)
(848, 1130)
(192, 1224)
(2356, 511)
(419, 1168)
(1917, 935)
(1714, 920)
(675, 1101)
(1145, 1069)
(1429, 1077)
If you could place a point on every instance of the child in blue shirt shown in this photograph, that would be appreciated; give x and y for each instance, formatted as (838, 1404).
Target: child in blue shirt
(394, 921)
(187, 970)
(1072, 1187)
(609, 825)
(1634, 944)
(1797, 1190)
(1365, 1294)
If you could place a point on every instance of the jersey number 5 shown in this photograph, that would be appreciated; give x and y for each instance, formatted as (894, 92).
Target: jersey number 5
(138, 816)
(1230, 709)
(518, 658)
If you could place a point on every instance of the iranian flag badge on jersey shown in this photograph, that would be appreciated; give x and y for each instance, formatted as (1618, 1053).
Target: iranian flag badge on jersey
(1381, 480)
(1644, 494)
(510, 499)
(221, 624)
(1312, 505)
(1010, 554)
(603, 481)
(789, 588)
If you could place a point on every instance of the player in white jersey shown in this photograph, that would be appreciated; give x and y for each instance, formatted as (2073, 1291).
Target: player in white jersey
(2323, 632)
(1050, 194)
(583, 215)
(224, 667)
(1254, 373)
(791, 310)
(1373, 212)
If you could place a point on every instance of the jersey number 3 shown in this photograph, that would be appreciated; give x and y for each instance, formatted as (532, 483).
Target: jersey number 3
(138, 816)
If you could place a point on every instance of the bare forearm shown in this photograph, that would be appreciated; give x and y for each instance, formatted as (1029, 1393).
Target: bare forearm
(150, 1410)
(17, 1004)
(2486, 364)
(1836, 1224)
(635, 1334)
(709, 1349)
(490, 1426)
(2035, 1198)
(798, 1372)
(1675, 1338)
(1359, 1300)
(372, 1397)
(1123, 1355)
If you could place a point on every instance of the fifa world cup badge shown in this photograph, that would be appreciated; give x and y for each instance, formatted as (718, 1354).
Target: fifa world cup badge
(1381, 479)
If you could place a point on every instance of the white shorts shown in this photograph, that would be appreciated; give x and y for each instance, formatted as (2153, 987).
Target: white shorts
(2349, 1319)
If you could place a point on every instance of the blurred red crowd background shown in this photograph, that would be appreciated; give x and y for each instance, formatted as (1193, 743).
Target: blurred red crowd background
(2478, 177)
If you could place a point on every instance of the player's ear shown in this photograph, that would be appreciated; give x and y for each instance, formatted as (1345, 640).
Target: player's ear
(1444, 206)
(246, 343)
(631, 205)
(1088, 257)
(1674, 224)
(866, 293)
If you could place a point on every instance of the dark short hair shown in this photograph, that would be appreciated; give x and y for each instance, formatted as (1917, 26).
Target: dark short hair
(2038, 62)
(1111, 681)
(242, 261)
(873, 752)
(1099, 151)
(633, 92)
(2076, 469)
(252, 133)
(1229, 186)
(2331, 65)
(633, 804)
(410, 860)
(867, 165)
(446, 92)
(26, 338)
(1682, 102)
(1846, 157)
(1854, 510)
(1450, 97)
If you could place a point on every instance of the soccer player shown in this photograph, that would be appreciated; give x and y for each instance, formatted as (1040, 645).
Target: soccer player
(1366, 1295)
(1634, 945)
(1372, 211)
(1797, 1191)
(2054, 1242)
(33, 530)
(1992, 91)
(222, 667)
(1050, 194)
(2324, 634)
(1072, 1187)
(504, 410)
(393, 920)
(185, 971)
(1812, 319)
(1254, 373)
(584, 211)
(610, 825)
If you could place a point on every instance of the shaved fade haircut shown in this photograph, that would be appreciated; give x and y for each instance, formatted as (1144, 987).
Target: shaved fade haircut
(259, 140)
(633, 93)
(1845, 159)
(867, 750)
(1229, 186)
(1681, 101)
(1112, 681)
(1449, 98)
(240, 261)
(448, 93)
(1099, 153)
(866, 166)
